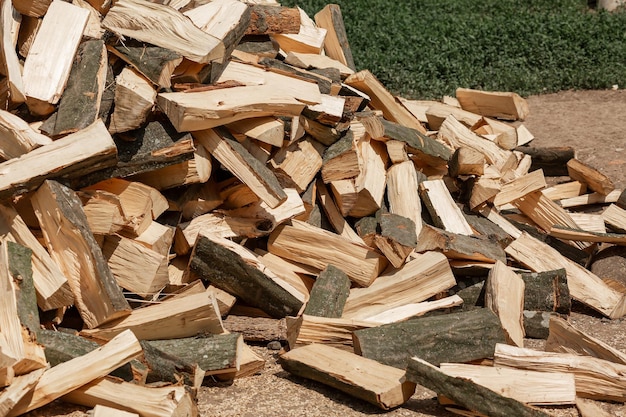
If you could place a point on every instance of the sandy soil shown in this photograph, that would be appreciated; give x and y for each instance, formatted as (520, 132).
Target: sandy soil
(593, 123)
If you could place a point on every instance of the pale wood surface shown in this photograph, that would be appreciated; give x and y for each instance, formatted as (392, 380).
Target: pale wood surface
(504, 295)
(403, 194)
(446, 214)
(134, 99)
(502, 105)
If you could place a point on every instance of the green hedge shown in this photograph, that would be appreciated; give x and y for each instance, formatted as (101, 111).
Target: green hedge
(428, 48)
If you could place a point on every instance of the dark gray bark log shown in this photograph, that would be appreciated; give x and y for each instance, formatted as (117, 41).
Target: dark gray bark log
(21, 270)
(547, 291)
(329, 293)
(425, 148)
(553, 161)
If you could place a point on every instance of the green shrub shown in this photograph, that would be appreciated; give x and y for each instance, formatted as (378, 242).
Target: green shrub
(428, 48)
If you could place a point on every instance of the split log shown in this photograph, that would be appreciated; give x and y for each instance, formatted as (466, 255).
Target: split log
(315, 61)
(381, 385)
(565, 190)
(467, 393)
(270, 19)
(168, 401)
(162, 367)
(163, 26)
(329, 293)
(336, 41)
(583, 285)
(403, 194)
(9, 61)
(341, 159)
(580, 235)
(436, 113)
(454, 337)
(504, 295)
(341, 226)
(19, 389)
(298, 275)
(597, 181)
(412, 310)
(615, 217)
(466, 161)
(316, 247)
(565, 338)
(589, 199)
(442, 208)
(543, 211)
(382, 100)
(483, 190)
(69, 157)
(92, 365)
(297, 164)
(18, 137)
(529, 387)
(213, 354)
(553, 161)
(155, 63)
(66, 231)
(174, 318)
(49, 60)
(309, 39)
(547, 291)
(270, 130)
(134, 99)
(336, 332)
(424, 148)
(595, 378)
(519, 187)
(397, 238)
(458, 135)
(257, 329)
(456, 246)
(104, 411)
(426, 275)
(587, 408)
(235, 269)
(79, 106)
(501, 105)
(51, 285)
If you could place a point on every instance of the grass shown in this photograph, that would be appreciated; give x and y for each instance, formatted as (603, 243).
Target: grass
(424, 49)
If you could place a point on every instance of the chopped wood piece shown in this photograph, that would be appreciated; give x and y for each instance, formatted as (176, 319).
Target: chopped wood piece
(597, 379)
(585, 236)
(341, 159)
(454, 337)
(615, 217)
(425, 148)
(543, 211)
(589, 199)
(235, 269)
(403, 194)
(153, 62)
(519, 187)
(316, 247)
(552, 160)
(309, 39)
(336, 332)
(104, 411)
(74, 248)
(457, 135)
(483, 190)
(412, 310)
(134, 99)
(437, 112)
(397, 238)
(163, 26)
(270, 20)
(504, 296)
(9, 61)
(20, 387)
(336, 43)
(547, 291)
(583, 285)
(565, 190)
(329, 293)
(68, 157)
(467, 393)
(341, 226)
(501, 105)
(80, 105)
(168, 401)
(18, 137)
(370, 183)
(308, 61)
(466, 161)
(92, 365)
(382, 100)
(49, 60)
(213, 354)
(530, 387)
(174, 318)
(135, 267)
(565, 338)
(587, 408)
(270, 130)
(456, 246)
(597, 181)
(381, 385)
(442, 208)
(51, 285)
(419, 279)
(298, 163)
(257, 329)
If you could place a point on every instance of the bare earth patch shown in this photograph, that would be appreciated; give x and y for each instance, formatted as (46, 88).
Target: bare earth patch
(594, 123)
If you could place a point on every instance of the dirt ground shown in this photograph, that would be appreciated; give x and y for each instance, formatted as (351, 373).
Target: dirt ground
(594, 123)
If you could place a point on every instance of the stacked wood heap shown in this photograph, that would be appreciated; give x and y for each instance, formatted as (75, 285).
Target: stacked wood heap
(180, 179)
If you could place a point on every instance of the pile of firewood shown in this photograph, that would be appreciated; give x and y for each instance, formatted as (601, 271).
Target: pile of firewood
(169, 167)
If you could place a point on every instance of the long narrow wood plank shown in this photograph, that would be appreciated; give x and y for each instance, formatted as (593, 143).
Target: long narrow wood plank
(336, 43)
(74, 155)
(163, 26)
(442, 207)
(49, 60)
(504, 295)
(72, 245)
(9, 62)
